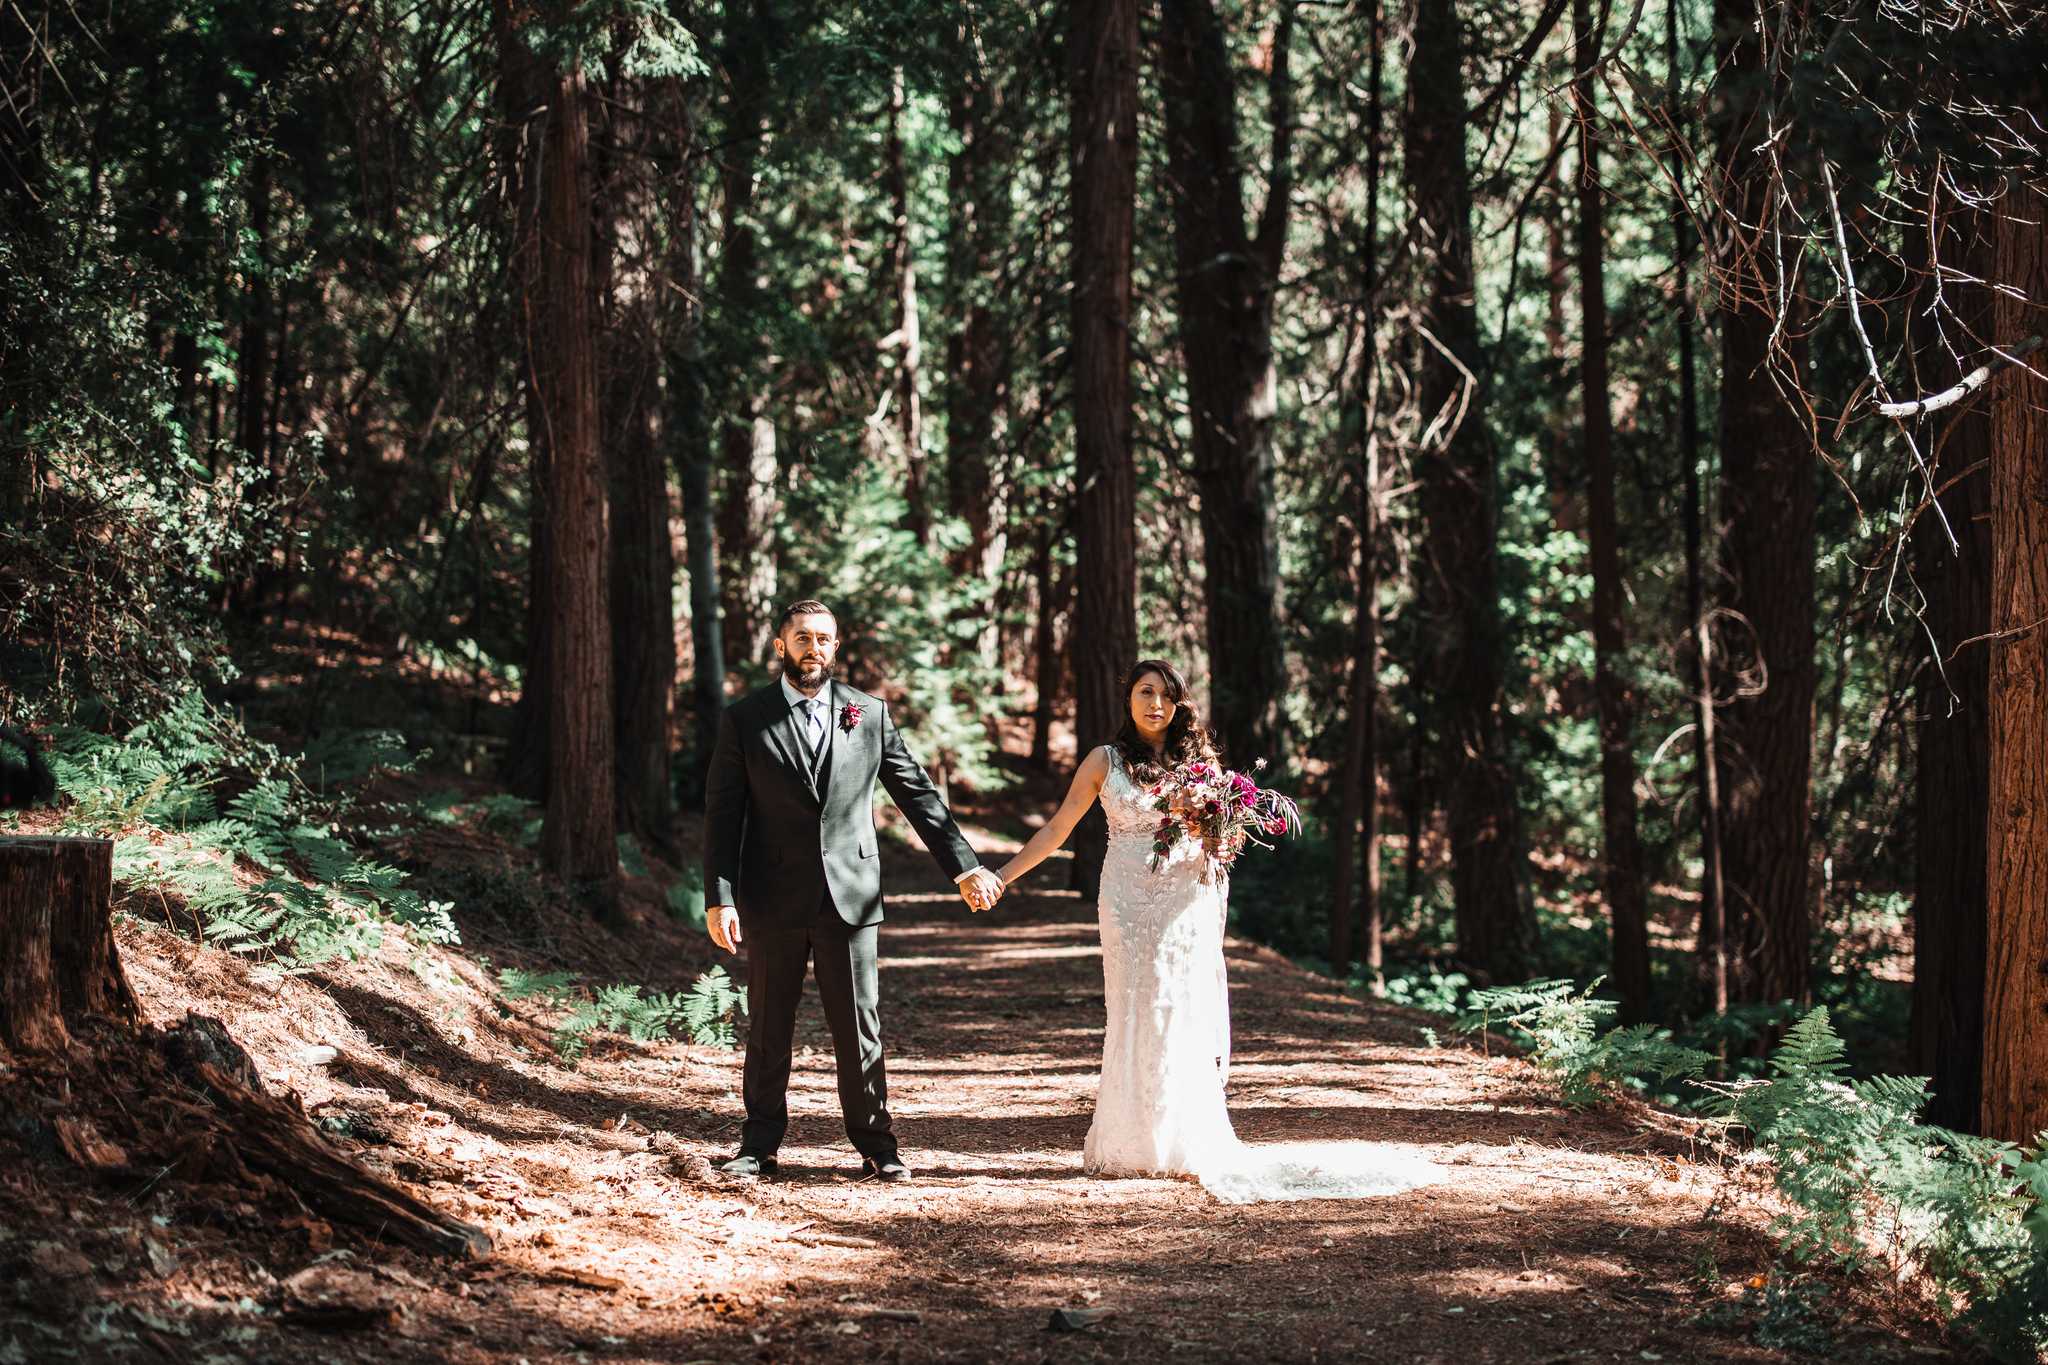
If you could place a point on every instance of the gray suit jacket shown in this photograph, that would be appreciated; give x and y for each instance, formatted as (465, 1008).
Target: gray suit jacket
(777, 840)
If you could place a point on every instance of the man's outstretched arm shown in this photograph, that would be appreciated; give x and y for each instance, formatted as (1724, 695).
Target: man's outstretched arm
(914, 793)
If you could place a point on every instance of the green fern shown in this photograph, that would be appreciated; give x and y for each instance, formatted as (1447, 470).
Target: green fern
(705, 1013)
(1864, 1178)
(710, 1008)
(553, 988)
(317, 898)
(1562, 1029)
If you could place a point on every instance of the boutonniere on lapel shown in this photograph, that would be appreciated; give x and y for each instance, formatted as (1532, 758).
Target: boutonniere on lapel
(849, 717)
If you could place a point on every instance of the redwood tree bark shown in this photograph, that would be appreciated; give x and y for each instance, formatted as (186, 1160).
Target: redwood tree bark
(1456, 468)
(1358, 820)
(1711, 950)
(747, 499)
(2016, 969)
(687, 429)
(1225, 275)
(30, 1017)
(1053, 592)
(642, 555)
(522, 96)
(1621, 852)
(1952, 786)
(907, 338)
(1768, 495)
(578, 834)
(978, 185)
(1102, 73)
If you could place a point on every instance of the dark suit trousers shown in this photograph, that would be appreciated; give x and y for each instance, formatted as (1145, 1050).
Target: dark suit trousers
(848, 988)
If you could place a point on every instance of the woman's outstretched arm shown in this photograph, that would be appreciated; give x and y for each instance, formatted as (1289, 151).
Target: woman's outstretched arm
(1087, 786)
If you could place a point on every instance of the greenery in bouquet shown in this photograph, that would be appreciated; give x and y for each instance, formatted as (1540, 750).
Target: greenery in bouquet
(1223, 809)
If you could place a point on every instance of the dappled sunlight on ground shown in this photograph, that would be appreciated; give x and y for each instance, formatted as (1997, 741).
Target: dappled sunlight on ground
(1554, 1236)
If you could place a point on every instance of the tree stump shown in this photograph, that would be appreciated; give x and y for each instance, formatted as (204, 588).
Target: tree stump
(90, 982)
(59, 964)
(30, 1018)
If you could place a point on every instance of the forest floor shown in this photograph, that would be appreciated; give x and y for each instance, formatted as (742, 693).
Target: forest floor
(1556, 1235)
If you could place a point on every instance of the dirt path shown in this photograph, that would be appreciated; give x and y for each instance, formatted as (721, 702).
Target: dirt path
(1557, 1235)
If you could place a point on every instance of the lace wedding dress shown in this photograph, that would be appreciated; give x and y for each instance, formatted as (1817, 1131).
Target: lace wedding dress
(1160, 1108)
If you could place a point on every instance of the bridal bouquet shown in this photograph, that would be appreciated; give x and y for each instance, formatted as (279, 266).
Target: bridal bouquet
(1225, 810)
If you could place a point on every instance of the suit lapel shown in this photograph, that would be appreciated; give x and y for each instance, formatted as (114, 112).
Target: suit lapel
(835, 739)
(788, 743)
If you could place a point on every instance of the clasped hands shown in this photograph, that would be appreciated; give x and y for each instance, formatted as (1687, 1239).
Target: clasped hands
(981, 889)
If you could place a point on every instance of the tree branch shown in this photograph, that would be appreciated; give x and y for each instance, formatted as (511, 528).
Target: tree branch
(1964, 387)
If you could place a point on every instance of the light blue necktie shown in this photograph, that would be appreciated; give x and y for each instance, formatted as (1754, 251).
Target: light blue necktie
(814, 727)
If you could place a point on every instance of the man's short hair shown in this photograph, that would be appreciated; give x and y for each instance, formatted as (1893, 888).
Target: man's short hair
(807, 607)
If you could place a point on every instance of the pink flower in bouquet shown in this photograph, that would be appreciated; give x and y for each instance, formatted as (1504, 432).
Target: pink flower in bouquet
(1224, 810)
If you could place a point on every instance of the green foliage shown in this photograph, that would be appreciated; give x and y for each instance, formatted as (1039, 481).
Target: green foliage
(553, 987)
(1561, 1027)
(1865, 1178)
(313, 897)
(1426, 988)
(642, 36)
(1791, 1314)
(705, 1013)
(685, 898)
(511, 817)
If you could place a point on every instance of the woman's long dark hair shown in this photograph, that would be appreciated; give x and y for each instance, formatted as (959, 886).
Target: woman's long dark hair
(1187, 741)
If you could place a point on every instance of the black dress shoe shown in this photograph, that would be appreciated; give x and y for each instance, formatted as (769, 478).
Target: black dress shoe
(751, 1163)
(888, 1168)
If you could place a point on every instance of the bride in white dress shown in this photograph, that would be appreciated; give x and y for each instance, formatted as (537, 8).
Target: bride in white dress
(1159, 1108)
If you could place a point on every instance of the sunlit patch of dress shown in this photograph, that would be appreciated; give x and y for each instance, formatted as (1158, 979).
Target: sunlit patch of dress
(1159, 1107)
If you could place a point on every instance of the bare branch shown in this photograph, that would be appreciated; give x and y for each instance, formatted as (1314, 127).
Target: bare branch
(1964, 387)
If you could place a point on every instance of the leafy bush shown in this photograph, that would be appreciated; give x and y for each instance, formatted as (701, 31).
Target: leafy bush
(1562, 1029)
(705, 1013)
(1426, 988)
(1864, 1177)
(153, 791)
(685, 897)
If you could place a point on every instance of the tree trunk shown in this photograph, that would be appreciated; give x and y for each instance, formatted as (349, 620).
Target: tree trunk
(1360, 775)
(1711, 950)
(907, 340)
(522, 98)
(1952, 787)
(2015, 1104)
(1102, 55)
(1768, 495)
(642, 556)
(643, 611)
(1621, 853)
(1460, 509)
(31, 1019)
(578, 840)
(746, 515)
(978, 360)
(60, 969)
(1225, 275)
(1053, 590)
(90, 981)
(687, 428)
(252, 368)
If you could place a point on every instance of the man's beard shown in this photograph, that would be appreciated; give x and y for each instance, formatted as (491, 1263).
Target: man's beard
(806, 681)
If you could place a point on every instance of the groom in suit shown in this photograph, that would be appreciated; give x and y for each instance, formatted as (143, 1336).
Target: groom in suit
(791, 871)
